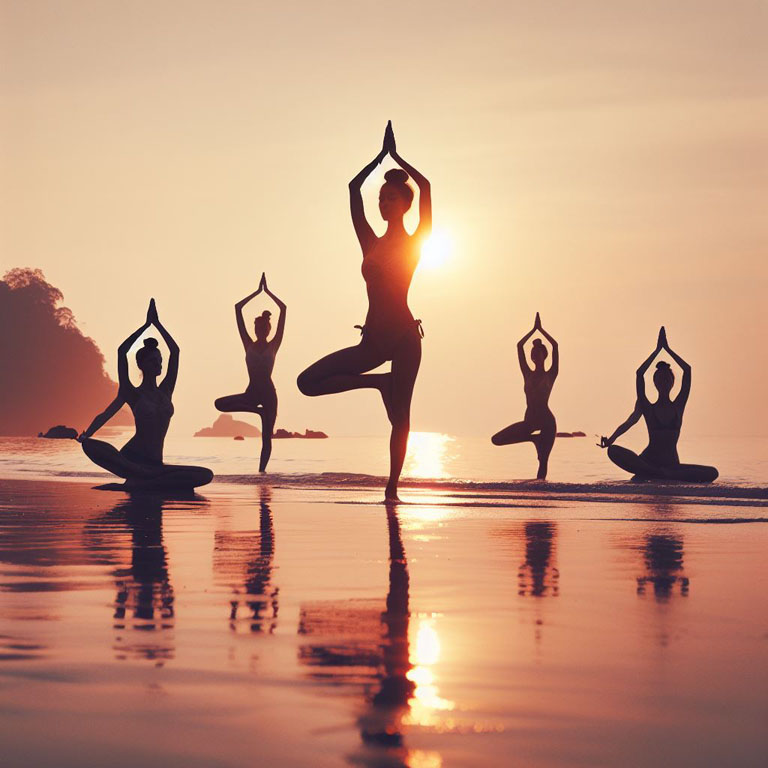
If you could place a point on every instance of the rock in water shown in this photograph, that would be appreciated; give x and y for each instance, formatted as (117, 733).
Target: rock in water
(60, 432)
(226, 426)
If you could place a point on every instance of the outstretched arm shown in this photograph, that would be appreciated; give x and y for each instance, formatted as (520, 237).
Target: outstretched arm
(365, 234)
(425, 189)
(555, 367)
(244, 337)
(169, 382)
(277, 340)
(103, 417)
(631, 420)
(685, 387)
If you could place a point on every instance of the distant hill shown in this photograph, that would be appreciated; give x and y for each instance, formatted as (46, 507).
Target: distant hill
(226, 426)
(50, 373)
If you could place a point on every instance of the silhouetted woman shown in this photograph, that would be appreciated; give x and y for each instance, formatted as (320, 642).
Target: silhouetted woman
(260, 396)
(664, 418)
(140, 460)
(390, 331)
(538, 425)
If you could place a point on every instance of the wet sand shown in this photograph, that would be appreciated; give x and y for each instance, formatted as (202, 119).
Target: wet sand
(286, 625)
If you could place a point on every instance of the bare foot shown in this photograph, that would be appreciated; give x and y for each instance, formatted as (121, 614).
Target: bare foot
(390, 494)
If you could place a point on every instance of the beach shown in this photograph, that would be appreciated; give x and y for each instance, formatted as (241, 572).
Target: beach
(299, 621)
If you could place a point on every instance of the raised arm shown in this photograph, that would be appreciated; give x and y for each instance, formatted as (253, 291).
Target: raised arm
(554, 368)
(365, 234)
(124, 380)
(646, 364)
(172, 371)
(103, 417)
(685, 387)
(425, 189)
(277, 339)
(244, 337)
(522, 359)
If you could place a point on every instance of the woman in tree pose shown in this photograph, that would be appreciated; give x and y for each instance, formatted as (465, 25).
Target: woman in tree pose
(538, 425)
(390, 332)
(140, 460)
(664, 418)
(260, 396)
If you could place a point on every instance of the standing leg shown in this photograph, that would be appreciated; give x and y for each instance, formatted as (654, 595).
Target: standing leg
(544, 443)
(268, 416)
(405, 367)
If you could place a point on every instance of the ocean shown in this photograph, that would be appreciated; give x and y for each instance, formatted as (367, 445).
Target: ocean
(431, 456)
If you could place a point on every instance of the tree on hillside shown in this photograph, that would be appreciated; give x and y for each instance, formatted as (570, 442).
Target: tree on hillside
(50, 373)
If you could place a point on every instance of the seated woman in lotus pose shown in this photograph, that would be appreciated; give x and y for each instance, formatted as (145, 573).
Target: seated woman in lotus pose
(538, 425)
(390, 332)
(664, 418)
(260, 396)
(140, 460)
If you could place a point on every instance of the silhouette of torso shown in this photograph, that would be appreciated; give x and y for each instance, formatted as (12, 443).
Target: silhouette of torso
(152, 411)
(538, 387)
(663, 421)
(260, 361)
(388, 269)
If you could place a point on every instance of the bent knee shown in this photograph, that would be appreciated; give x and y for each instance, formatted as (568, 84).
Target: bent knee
(307, 384)
(620, 456)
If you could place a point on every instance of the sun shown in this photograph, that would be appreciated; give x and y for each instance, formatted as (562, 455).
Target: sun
(436, 250)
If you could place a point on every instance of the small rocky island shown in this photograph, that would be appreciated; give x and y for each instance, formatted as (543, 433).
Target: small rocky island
(309, 434)
(226, 426)
(60, 432)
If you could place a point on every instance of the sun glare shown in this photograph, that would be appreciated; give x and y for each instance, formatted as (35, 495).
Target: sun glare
(437, 250)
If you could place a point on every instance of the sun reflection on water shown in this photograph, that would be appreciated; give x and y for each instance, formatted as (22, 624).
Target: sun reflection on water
(427, 455)
(425, 653)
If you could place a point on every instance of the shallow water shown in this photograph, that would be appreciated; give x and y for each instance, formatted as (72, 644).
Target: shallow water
(265, 625)
(431, 455)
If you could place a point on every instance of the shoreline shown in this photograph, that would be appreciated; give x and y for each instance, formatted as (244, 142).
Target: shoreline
(455, 492)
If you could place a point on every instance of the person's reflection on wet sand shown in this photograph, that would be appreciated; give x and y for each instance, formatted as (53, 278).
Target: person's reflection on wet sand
(145, 598)
(380, 724)
(663, 557)
(369, 649)
(537, 576)
(259, 596)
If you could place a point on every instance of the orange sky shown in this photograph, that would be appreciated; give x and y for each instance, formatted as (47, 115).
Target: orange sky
(604, 163)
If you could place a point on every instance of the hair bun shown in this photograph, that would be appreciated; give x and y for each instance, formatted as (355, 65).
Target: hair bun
(662, 366)
(539, 342)
(396, 176)
(150, 343)
(265, 315)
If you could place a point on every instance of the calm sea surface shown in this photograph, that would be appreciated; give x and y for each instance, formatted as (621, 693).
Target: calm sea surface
(431, 455)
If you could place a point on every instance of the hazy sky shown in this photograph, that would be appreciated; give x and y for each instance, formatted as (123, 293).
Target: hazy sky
(604, 163)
